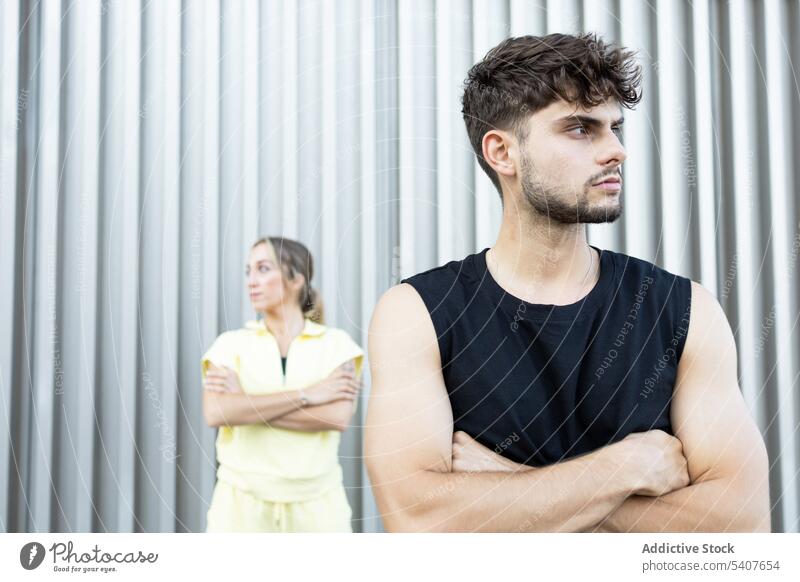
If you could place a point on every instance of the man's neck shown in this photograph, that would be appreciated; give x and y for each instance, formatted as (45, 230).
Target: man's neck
(542, 261)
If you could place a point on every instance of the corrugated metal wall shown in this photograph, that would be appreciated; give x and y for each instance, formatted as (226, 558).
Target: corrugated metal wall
(145, 145)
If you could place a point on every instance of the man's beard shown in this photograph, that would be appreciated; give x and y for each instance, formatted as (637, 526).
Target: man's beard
(562, 206)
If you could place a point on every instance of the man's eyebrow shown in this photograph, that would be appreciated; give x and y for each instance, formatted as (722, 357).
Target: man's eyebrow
(587, 120)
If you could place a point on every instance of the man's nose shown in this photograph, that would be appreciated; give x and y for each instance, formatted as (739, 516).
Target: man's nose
(612, 152)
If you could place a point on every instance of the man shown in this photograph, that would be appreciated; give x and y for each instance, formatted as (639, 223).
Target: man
(588, 390)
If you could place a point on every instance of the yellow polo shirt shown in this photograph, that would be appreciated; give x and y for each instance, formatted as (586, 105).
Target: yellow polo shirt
(272, 463)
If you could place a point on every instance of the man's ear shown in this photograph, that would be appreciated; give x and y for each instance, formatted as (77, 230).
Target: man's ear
(499, 151)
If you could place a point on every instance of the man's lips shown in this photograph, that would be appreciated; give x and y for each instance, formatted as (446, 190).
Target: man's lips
(609, 184)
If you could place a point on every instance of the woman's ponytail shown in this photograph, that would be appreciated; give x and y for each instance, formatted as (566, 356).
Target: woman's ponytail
(313, 307)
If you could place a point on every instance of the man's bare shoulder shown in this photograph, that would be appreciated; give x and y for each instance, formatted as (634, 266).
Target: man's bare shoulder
(400, 310)
(402, 296)
(401, 329)
(709, 329)
(708, 364)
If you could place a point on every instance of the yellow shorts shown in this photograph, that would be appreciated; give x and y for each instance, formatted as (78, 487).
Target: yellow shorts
(234, 510)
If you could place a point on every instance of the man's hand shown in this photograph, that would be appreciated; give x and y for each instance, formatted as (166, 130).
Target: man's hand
(662, 466)
(470, 456)
(661, 458)
(654, 456)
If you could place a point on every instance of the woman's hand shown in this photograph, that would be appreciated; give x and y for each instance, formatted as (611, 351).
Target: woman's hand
(341, 384)
(222, 379)
(470, 456)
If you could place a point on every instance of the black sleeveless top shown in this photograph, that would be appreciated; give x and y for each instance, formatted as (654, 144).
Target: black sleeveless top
(543, 383)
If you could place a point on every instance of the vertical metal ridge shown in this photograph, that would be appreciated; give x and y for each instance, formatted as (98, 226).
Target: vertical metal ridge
(81, 262)
(785, 322)
(210, 210)
(489, 27)
(743, 186)
(405, 104)
(10, 125)
(454, 156)
(171, 184)
(448, 185)
(705, 190)
(367, 514)
(675, 139)
(127, 24)
(271, 119)
(250, 123)
(327, 219)
(46, 335)
(289, 84)
(528, 17)
(598, 17)
(638, 171)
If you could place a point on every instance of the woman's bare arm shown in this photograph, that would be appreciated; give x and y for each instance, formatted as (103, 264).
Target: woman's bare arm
(331, 416)
(229, 409)
(331, 402)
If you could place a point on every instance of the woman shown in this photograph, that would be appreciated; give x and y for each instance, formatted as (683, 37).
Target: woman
(281, 390)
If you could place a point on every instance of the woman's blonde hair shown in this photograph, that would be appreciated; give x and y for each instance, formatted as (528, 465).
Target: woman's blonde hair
(295, 258)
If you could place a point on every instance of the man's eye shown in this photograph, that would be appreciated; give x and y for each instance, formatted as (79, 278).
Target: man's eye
(617, 130)
(578, 130)
(263, 269)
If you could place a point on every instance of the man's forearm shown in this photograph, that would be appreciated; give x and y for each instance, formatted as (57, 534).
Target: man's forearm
(712, 506)
(570, 496)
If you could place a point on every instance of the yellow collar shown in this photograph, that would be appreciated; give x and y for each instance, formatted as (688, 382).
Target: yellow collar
(310, 329)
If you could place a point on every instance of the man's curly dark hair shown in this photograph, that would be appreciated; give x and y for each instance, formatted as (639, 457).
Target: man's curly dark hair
(524, 74)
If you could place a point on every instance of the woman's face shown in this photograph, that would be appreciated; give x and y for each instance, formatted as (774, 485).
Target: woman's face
(266, 284)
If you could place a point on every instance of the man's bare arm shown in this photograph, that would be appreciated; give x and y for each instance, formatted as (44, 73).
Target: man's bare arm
(408, 449)
(725, 452)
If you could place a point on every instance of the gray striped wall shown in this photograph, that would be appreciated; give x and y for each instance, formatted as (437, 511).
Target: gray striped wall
(145, 145)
